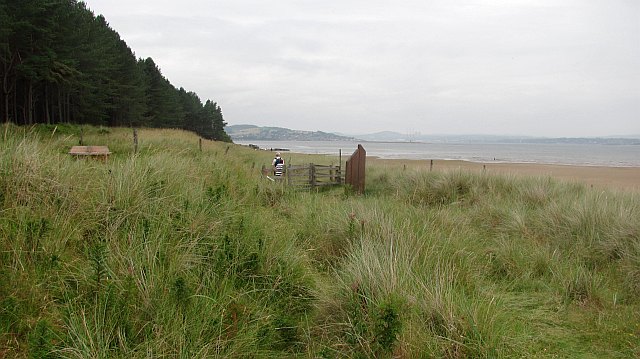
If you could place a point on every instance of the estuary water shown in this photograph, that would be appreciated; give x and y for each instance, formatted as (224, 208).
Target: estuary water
(565, 154)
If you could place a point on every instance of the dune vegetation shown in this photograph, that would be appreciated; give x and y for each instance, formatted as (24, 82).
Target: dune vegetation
(177, 251)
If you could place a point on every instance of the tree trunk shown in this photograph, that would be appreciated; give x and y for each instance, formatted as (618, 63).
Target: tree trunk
(46, 104)
(15, 107)
(6, 107)
(60, 118)
(67, 107)
(5, 97)
(7, 89)
(30, 104)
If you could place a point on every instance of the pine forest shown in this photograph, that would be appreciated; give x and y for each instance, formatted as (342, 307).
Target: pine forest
(60, 63)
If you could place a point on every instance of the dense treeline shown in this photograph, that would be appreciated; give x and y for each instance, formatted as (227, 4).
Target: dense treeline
(61, 63)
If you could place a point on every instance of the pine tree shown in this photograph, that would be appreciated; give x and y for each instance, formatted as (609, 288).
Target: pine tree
(61, 63)
(163, 102)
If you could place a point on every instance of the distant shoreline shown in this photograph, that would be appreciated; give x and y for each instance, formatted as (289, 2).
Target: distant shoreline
(592, 155)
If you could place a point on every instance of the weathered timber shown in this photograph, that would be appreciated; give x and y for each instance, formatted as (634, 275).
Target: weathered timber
(101, 152)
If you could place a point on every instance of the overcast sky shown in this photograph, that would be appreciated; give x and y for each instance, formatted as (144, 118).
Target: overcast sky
(514, 67)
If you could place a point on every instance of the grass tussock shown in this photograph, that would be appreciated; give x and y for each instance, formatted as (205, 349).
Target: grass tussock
(177, 251)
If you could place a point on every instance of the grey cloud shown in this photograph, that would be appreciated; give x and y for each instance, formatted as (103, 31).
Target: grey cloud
(513, 67)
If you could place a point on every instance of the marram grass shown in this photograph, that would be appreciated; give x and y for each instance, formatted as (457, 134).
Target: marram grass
(186, 251)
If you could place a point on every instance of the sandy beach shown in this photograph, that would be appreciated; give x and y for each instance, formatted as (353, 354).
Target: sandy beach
(615, 178)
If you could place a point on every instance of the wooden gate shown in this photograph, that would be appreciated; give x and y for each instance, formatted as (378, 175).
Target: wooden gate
(313, 175)
(355, 169)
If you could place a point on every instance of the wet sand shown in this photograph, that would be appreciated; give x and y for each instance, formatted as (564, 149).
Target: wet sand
(615, 178)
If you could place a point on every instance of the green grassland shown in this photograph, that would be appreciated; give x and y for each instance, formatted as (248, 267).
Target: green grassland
(175, 251)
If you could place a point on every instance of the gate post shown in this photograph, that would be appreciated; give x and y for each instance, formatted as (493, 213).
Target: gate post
(312, 175)
(356, 166)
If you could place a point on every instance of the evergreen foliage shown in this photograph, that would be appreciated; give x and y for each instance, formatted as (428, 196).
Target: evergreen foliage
(59, 63)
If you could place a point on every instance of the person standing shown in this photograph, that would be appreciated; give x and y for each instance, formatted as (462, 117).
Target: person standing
(278, 165)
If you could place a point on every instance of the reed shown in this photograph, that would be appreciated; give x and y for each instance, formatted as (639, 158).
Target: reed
(181, 251)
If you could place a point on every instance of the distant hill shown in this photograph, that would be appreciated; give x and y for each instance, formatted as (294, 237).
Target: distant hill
(389, 136)
(256, 133)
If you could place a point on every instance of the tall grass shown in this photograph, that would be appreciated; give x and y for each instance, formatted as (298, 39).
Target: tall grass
(177, 252)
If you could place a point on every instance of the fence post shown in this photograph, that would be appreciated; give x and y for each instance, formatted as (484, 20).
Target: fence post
(431, 166)
(135, 140)
(200, 144)
(312, 175)
(362, 158)
(287, 173)
(340, 173)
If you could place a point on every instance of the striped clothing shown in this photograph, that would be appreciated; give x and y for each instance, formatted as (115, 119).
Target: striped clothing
(278, 164)
(279, 169)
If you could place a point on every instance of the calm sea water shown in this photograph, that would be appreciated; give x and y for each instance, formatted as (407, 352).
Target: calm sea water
(568, 154)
